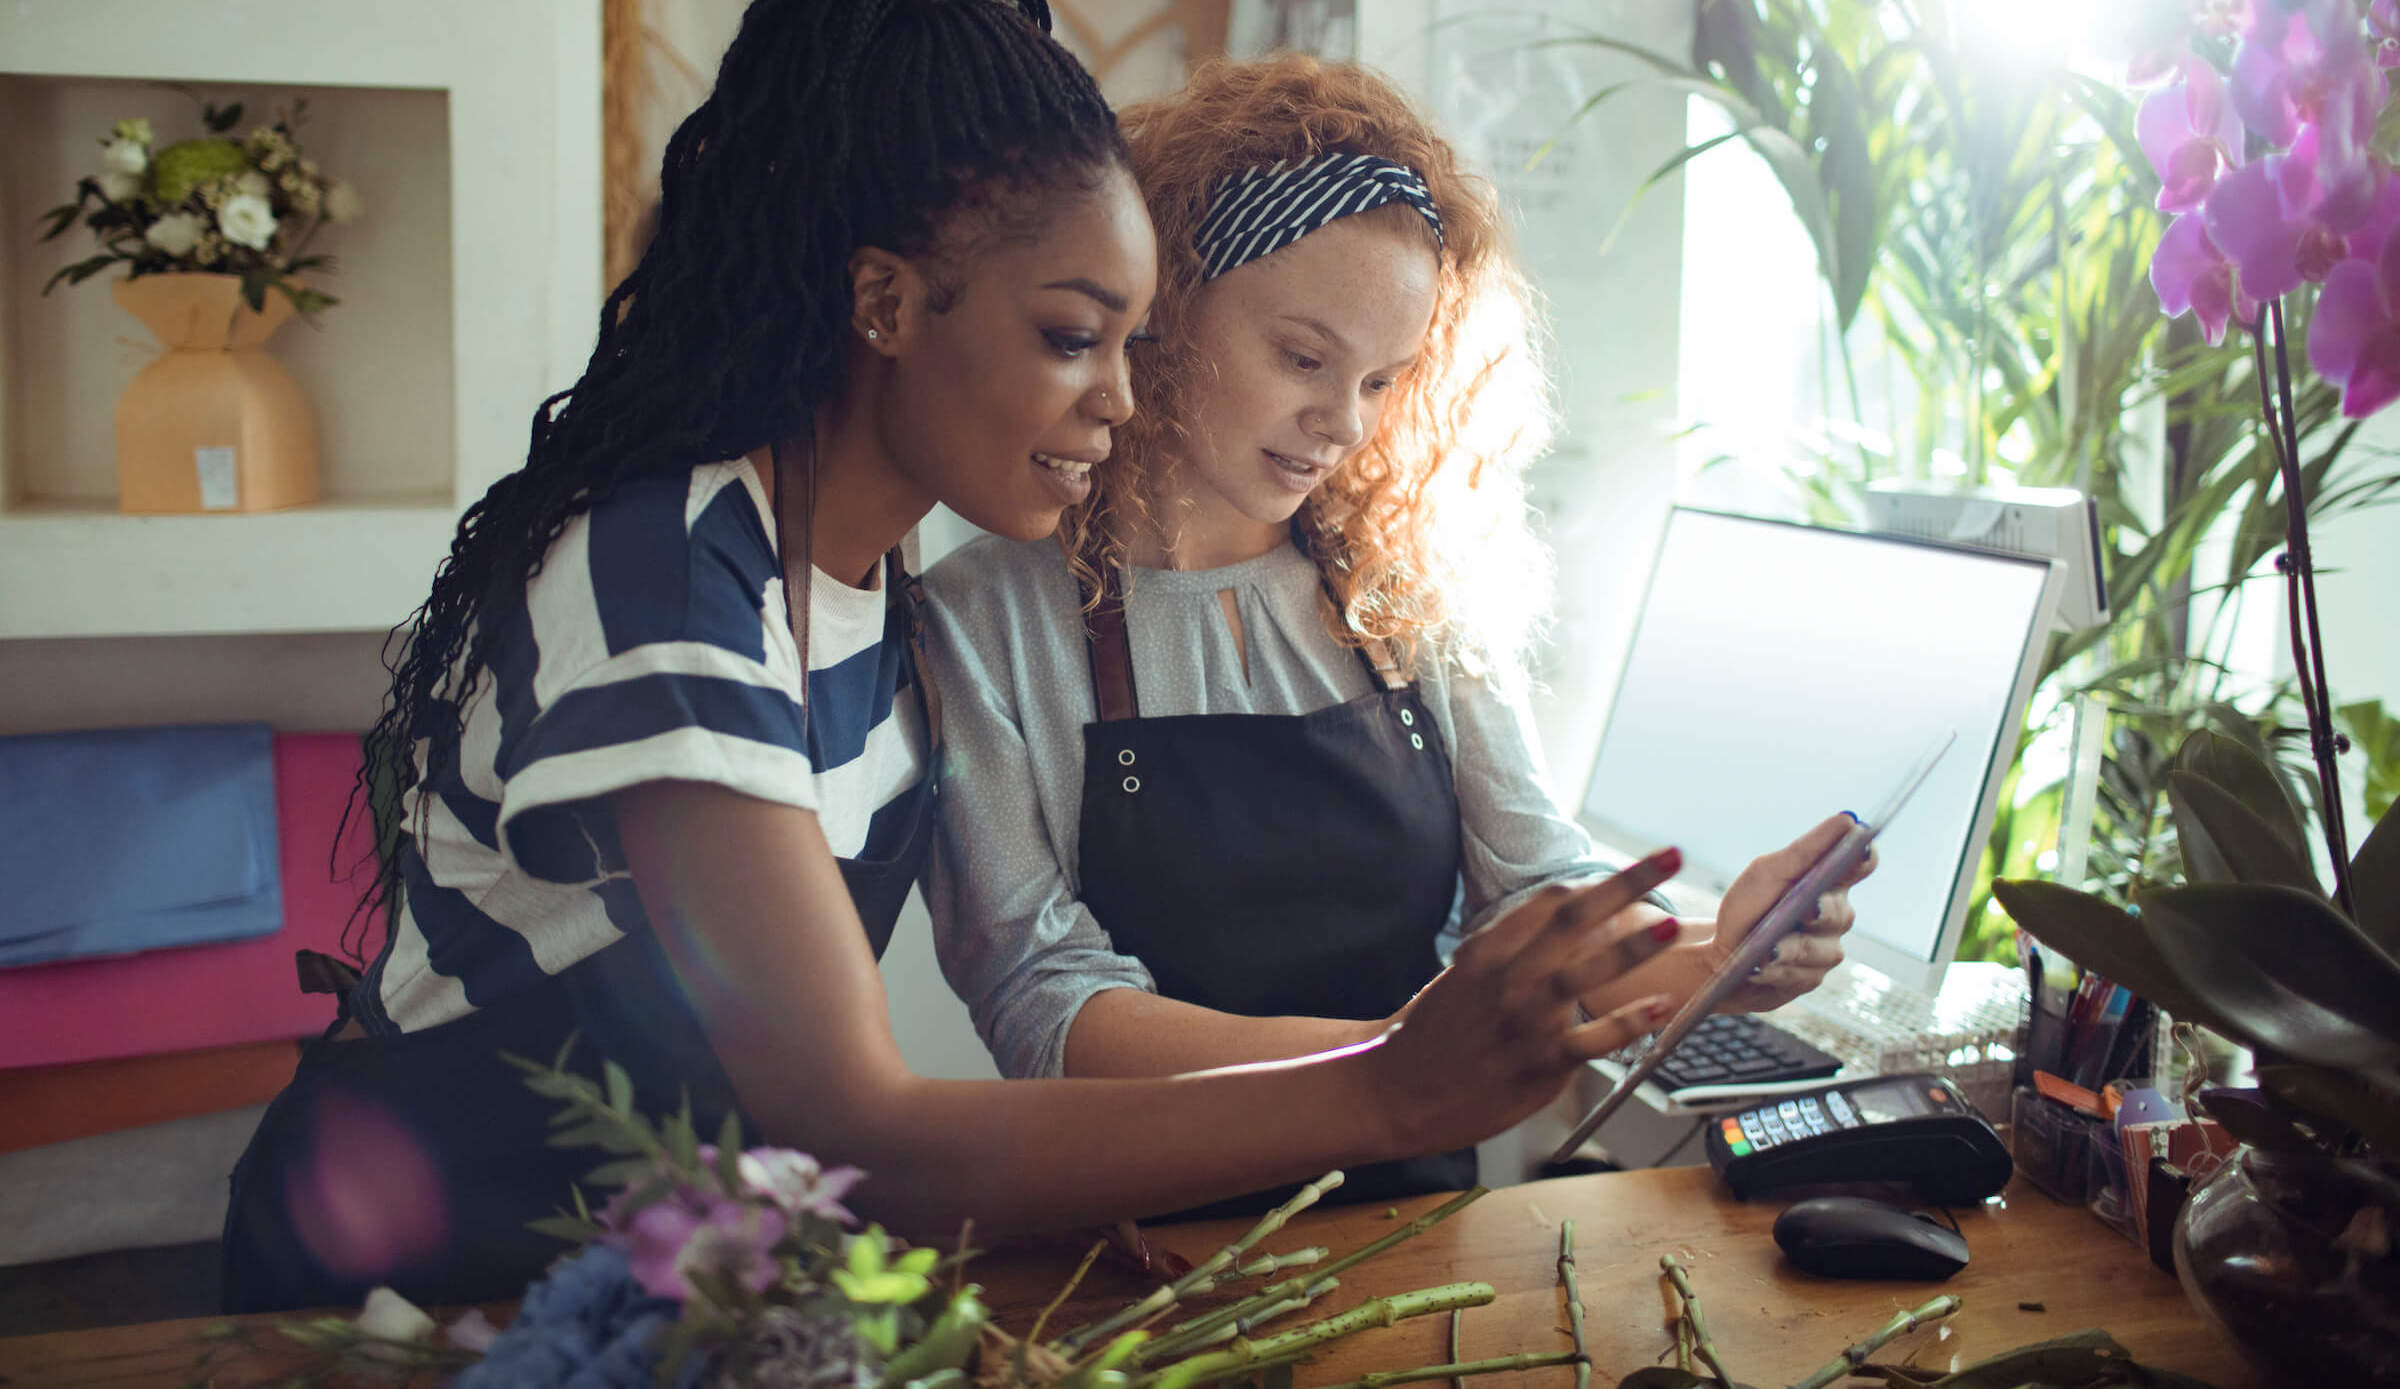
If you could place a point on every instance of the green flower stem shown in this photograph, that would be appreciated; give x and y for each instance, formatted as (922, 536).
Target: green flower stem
(1245, 1325)
(1074, 1281)
(1566, 1276)
(1900, 1325)
(1244, 1356)
(1184, 1336)
(1458, 1321)
(1265, 1264)
(1460, 1369)
(1203, 1275)
(1706, 1348)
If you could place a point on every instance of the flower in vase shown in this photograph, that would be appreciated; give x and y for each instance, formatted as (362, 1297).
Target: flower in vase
(119, 188)
(177, 233)
(798, 1184)
(247, 220)
(128, 157)
(342, 202)
(136, 129)
(253, 183)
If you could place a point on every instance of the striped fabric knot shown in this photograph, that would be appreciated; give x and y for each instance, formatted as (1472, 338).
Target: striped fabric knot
(1262, 210)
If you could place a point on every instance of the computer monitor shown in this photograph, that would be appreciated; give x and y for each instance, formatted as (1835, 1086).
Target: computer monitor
(1781, 673)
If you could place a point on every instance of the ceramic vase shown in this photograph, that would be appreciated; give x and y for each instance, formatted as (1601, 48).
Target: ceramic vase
(214, 424)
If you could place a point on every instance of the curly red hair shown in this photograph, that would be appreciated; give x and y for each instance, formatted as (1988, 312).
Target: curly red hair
(1421, 533)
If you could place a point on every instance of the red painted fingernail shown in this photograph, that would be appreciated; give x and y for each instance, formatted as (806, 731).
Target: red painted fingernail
(1666, 930)
(1667, 861)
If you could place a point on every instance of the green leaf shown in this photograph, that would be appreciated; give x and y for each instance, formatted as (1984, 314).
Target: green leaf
(946, 1344)
(80, 271)
(2243, 773)
(2375, 884)
(620, 1087)
(620, 1172)
(2286, 969)
(2104, 939)
(729, 1151)
(255, 282)
(2255, 1120)
(597, 1133)
(2359, 1105)
(220, 119)
(2223, 842)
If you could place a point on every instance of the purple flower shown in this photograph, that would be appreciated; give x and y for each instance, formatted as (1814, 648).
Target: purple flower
(798, 1185)
(2192, 276)
(2290, 61)
(2189, 132)
(2354, 335)
(2383, 23)
(689, 1232)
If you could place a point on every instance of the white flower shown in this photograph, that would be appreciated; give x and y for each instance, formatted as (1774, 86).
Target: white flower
(126, 157)
(393, 1317)
(254, 183)
(247, 221)
(119, 188)
(176, 233)
(341, 202)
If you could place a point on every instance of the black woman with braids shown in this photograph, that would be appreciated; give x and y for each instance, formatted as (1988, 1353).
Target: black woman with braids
(651, 803)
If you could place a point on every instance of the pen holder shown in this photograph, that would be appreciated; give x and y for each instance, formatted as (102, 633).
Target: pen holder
(2071, 1156)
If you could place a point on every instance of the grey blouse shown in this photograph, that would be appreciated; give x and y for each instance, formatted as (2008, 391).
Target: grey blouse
(1006, 642)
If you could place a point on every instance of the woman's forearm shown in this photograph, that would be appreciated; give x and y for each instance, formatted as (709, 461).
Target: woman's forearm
(1128, 1032)
(1023, 1155)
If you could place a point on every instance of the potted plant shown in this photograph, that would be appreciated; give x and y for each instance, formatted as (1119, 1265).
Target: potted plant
(2263, 142)
(213, 232)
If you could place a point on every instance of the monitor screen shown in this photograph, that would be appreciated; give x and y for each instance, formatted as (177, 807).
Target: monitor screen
(1781, 673)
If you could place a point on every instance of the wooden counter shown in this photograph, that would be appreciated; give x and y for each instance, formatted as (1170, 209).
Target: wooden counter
(1772, 1325)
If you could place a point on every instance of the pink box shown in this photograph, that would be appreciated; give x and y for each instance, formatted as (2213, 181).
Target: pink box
(212, 995)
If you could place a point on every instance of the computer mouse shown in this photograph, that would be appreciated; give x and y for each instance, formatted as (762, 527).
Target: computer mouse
(1854, 1237)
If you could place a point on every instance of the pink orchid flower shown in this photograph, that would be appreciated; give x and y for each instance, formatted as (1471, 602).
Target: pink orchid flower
(2190, 133)
(798, 1184)
(2354, 336)
(2192, 276)
(2383, 23)
(734, 1241)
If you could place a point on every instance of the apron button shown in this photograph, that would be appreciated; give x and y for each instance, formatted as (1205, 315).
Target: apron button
(1132, 784)
(1407, 717)
(1125, 757)
(1417, 741)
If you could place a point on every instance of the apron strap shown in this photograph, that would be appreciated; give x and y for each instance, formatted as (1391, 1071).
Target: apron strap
(1111, 652)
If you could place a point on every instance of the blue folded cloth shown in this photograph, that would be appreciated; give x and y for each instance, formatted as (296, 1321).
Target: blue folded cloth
(132, 839)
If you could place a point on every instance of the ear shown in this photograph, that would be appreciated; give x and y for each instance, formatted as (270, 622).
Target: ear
(886, 293)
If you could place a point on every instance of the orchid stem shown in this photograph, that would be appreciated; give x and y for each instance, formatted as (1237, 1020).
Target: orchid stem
(2308, 642)
(1460, 1369)
(1202, 1273)
(1706, 1348)
(1849, 1360)
(1566, 1277)
(1244, 1356)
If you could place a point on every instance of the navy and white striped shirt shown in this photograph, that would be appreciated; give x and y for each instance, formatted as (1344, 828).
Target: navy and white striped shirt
(652, 646)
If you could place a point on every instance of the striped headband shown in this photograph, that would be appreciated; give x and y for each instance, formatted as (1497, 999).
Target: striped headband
(1267, 208)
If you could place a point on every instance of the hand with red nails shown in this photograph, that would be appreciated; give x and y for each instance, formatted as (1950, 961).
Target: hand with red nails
(1801, 961)
(1496, 1035)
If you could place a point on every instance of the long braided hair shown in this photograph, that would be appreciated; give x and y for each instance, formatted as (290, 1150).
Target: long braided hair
(834, 124)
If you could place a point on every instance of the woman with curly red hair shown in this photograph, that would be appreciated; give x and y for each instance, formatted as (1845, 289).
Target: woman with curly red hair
(1302, 587)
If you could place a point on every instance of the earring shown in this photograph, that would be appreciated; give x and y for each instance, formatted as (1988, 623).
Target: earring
(872, 335)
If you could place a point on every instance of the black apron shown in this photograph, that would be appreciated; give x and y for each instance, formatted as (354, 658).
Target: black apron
(474, 1126)
(1271, 865)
